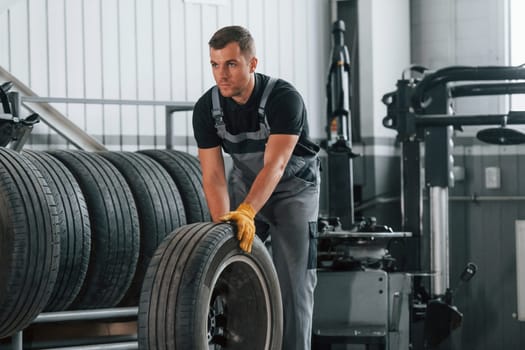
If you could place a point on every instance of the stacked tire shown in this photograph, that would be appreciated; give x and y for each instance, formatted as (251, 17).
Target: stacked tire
(78, 229)
(83, 230)
(29, 246)
(73, 229)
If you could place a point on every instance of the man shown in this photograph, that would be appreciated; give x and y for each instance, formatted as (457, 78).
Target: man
(261, 122)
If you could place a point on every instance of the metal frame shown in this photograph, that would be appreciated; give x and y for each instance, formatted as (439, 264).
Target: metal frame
(82, 315)
(82, 140)
(372, 309)
(25, 97)
(170, 108)
(70, 131)
(418, 110)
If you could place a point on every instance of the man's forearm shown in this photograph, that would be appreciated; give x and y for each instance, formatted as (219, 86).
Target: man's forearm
(217, 199)
(263, 186)
(277, 154)
(214, 181)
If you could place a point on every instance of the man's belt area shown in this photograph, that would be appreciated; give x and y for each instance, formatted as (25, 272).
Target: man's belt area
(305, 148)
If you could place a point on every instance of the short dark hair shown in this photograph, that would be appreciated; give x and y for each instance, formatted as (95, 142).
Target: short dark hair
(230, 34)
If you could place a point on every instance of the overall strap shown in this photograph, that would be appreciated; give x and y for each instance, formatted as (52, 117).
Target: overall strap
(264, 97)
(216, 109)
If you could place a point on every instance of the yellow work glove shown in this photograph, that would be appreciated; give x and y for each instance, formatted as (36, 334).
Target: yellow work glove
(244, 218)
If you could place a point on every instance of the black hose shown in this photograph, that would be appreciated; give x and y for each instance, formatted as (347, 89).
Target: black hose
(462, 73)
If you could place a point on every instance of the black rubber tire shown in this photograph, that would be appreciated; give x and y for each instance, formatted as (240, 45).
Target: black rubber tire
(159, 207)
(74, 229)
(202, 292)
(114, 229)
(29, 242)
(185, 170)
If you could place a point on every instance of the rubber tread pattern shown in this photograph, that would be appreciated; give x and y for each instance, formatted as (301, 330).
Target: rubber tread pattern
(159, 206)
(177, 274)
(115, 235)
(74, 228)
(29, 242)
(186, 172)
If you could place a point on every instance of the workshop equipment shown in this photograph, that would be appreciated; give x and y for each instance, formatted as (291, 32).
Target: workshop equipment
(25, 97)
(12, 127)
(419, 110)
(365, 295)
(361, 297)
(339, 140)
(442, 317)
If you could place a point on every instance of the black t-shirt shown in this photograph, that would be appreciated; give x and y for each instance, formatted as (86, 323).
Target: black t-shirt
(285, 113)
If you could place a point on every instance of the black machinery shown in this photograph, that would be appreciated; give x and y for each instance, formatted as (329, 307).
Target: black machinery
(363, 295)
(419, 110)
(13, 129)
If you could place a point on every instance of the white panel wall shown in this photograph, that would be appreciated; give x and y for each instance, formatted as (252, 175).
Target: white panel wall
(466, 32)
(384, 51)
(154, 50)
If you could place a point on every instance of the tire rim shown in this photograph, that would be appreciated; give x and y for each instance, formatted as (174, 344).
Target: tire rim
(237, 271)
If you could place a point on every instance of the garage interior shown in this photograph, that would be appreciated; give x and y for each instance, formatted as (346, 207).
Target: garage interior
(418, 107)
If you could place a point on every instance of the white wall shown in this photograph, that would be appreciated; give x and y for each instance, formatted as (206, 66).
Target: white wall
(462, 32)
(459, 32)
(155, 50)
(384, 51)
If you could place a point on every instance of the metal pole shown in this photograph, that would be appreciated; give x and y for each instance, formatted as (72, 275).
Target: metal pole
(439, 240)
(177, 105)
(17, 341)
(119, 346)
(169, 127)
(95, 314)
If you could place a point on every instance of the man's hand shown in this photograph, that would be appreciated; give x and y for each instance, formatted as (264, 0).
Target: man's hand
(244, 218)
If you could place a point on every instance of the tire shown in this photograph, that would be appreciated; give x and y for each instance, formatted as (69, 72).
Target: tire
(29, 242)
(159, 205)
(74, 229)
(114, 229)
(202, 292)
(185, 171)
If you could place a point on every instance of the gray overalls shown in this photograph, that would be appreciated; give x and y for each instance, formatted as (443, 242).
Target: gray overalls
(290, 214)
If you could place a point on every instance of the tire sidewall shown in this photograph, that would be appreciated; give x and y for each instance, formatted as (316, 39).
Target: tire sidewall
(228, 251)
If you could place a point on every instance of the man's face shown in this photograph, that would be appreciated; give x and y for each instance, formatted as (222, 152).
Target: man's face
(232, 72)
